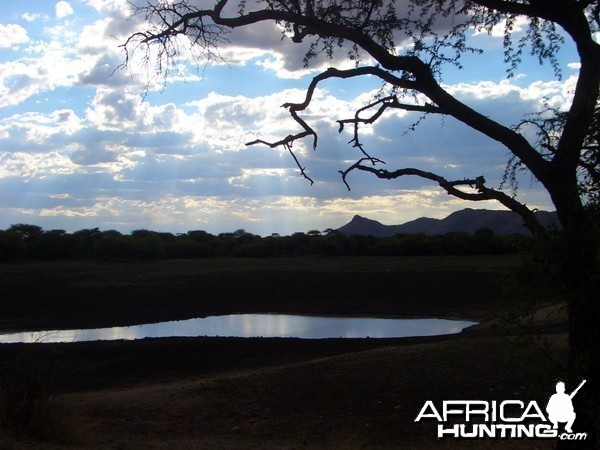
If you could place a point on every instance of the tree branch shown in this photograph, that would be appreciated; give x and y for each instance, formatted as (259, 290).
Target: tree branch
(510, 7)
(384, 103)
(294, 108)
(451, 187)
(288, 143)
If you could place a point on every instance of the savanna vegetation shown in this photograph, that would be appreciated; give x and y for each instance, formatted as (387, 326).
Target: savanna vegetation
(22, 241)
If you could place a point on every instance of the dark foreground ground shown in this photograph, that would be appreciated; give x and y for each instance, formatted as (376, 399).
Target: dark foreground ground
(270, 393)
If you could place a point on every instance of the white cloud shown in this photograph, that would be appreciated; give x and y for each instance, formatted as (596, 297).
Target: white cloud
(68, 55)
(34, 165)
(120, 111)
(34, 132)
(226, 122)
(110, 7)
(12, 34)
(249, 176)
(499, 29)
(63, 9)
(117, 110)
(51, 65)
(21, 79)
(557, 94)
(27, 17)
(93, 39)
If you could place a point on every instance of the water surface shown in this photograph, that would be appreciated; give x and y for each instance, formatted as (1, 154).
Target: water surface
(254, 325)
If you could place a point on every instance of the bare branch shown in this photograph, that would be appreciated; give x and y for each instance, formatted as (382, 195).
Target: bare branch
(288, 143)
(302, 169)
(452, 188)
(294, 108)
(384, 103)
(388, 102)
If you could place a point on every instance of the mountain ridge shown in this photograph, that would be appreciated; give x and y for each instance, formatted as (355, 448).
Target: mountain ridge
(504, 223)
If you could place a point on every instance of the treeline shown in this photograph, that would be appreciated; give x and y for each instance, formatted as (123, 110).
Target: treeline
(32, 242)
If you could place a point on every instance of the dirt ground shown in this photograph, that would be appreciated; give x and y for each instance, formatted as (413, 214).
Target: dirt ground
(228, 393)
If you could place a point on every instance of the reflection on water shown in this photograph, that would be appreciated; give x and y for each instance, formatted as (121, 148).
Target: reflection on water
(255, 325)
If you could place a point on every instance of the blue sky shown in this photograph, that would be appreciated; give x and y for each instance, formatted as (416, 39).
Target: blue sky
(82, 147)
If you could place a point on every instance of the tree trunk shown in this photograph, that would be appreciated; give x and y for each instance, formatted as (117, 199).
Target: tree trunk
(581, 277)
(584, 323)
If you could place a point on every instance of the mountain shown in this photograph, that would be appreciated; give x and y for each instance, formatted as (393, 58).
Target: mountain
(469, 220)
(365, 227)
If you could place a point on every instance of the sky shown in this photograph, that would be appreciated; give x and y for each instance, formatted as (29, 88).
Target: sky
(83, 145)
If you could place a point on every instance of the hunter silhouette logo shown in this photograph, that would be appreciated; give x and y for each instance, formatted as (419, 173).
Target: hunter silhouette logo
(506, 419)
(560, 407)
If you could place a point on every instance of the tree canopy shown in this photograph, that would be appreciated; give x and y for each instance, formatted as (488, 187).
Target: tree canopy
(26, 242)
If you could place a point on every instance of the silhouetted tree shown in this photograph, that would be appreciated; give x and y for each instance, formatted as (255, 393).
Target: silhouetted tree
(27, 233)
(52, 244)
(12, 248)
(564, 157)
(145, 244)
(113, 245)
(83, 242)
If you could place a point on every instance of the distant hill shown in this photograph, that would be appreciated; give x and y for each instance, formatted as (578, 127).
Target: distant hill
(503, 223)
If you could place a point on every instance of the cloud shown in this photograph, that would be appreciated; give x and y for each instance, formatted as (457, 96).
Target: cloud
(499, 29)
(37, 131)
(12, 34)
(110, 7)
(25, 77)
(103, 74)
(27, 17)
(63, 9)
(34, 165)
(536, 95)
(65, 56)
